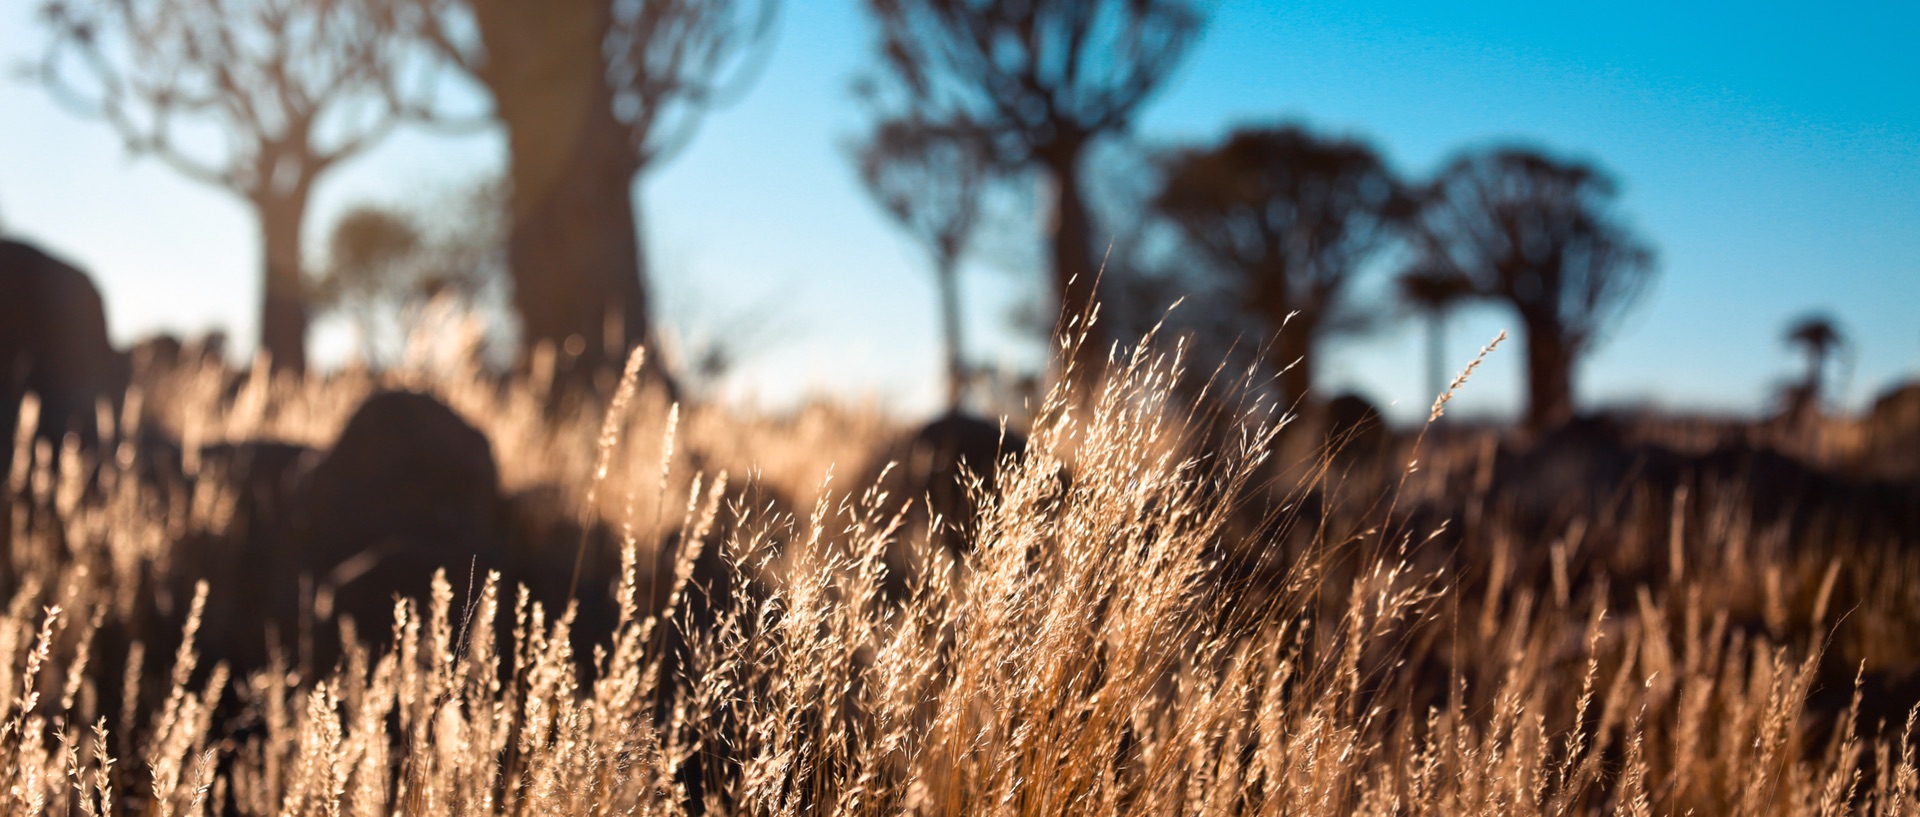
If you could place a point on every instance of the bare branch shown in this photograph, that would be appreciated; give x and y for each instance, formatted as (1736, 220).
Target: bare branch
(929, 178)
(670, 60)
(1038, 75)
(280, 78)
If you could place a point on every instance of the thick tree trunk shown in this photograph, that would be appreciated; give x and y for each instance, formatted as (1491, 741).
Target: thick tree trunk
(1549, 375)
(1293, 359)
(1436, 354)
(1074, 274)
(1296, 332)
(283, 302)
(574, 254)
(947, 272)
(574, 246)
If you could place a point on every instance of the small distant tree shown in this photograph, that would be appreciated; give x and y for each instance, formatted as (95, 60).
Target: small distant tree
(1819, 337)
(1540, 235)
(384, 266)
(373, 261)
(1434, 294)
(592, 94)
(257, 97)
(1042, 80)
(930, 179)
(1290, 218)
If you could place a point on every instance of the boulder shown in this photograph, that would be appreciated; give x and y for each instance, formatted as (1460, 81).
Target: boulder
(928, 470)
(1893, 432)
(408, 488)
(53, 343)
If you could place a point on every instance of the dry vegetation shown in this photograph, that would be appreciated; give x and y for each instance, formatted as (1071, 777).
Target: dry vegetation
(1133, 638)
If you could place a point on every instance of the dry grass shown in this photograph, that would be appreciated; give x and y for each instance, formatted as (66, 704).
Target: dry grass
(1093, 655)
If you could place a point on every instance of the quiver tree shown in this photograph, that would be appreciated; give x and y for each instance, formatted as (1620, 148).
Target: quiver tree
(256, 97)
(1042, 80)
(387, 270)
(1289, 218)
(930, 180)
(373, 260)
(1818, 336)
(1540, 235)
(591, 94)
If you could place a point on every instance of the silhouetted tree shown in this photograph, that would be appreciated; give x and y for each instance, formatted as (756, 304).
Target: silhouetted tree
(929, 179)
(592, 93)
(1539, 234)
(1819, 336)
(1043, 80)
(1291, 217)
(289, 89)
(373, 259)
(1434, 293)
(385, 266)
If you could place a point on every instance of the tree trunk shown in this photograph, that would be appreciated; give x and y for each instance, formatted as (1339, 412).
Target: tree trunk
(1295, 330)
(1074, 284)
(573, 247)
(1549, 375)
(1816, 375)
(1436, 354)
(946, 269)
(1293, 359)
(283, 303)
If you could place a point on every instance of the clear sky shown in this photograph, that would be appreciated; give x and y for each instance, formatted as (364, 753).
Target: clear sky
(1770, 151)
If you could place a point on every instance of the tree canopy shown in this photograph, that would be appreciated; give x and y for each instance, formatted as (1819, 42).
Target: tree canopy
(1541, 235)
(1290, 218)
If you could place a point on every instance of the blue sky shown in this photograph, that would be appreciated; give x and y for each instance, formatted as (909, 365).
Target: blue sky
(1770, 151)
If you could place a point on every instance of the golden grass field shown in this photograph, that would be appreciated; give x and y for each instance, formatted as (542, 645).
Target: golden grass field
(1167, 610)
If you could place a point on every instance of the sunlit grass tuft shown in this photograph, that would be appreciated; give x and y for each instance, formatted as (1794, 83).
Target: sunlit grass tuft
(1095, 652)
